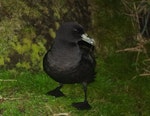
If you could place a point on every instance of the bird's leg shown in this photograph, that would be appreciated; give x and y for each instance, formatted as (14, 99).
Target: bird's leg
(56, 92)
(83, 105)
(85, 91)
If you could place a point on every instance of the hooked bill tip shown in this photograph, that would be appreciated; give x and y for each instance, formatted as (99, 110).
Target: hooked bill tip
(87, 39)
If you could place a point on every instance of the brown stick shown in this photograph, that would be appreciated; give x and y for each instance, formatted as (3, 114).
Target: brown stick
(145, 74)
(5, 80)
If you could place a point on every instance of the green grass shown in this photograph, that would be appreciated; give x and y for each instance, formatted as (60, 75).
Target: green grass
(114, 93)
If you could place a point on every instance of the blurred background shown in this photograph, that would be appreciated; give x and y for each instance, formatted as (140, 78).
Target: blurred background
(121, 29)
(27, 29)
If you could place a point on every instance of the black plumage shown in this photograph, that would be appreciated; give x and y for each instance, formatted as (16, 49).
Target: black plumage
(71, 60)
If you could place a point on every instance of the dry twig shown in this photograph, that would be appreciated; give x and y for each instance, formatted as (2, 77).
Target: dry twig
(144, 74)
(6, 80)
(140, 16)
(11, 99)
(61, 114)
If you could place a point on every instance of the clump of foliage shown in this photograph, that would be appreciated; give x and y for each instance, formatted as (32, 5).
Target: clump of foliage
(139, 11)
(110, 25)
(27, 29)
(20, 46)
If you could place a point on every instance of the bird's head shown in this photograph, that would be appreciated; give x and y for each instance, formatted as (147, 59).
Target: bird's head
(73, 32)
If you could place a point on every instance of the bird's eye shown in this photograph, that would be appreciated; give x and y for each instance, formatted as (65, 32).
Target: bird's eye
(75, 30)
(78, 30)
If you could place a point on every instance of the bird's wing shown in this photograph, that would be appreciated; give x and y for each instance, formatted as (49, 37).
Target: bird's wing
(87, 51)
(87, 63)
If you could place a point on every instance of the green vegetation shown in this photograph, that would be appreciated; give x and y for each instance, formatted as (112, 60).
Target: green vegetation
(114, 93)
(27, 29)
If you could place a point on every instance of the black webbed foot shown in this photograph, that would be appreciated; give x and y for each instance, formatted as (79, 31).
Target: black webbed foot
(56, 92)
(82, 105)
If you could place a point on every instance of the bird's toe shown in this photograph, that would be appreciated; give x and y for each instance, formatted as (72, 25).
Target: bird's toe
(82, 105)
(56, 93)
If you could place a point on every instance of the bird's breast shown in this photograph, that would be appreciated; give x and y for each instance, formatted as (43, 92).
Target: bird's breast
(63, 61)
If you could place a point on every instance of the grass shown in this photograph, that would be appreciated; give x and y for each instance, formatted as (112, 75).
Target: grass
(114, 93)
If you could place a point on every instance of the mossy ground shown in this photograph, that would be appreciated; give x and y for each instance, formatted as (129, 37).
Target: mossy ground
(114, 93)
